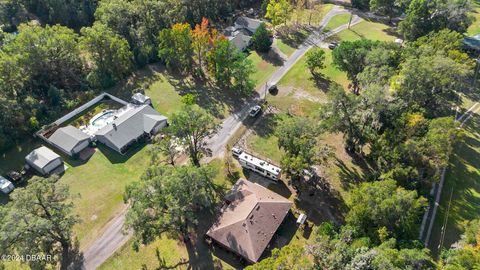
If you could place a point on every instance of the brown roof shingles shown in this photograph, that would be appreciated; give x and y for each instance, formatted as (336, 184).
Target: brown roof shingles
(249, 220)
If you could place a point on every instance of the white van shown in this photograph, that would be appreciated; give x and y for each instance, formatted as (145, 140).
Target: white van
(5, 185)
(236, 152)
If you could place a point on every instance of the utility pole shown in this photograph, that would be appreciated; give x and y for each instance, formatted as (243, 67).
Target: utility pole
(350, 21)
(266, 90)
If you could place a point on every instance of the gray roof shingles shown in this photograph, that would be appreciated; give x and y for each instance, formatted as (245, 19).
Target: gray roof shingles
(131, 125)
(68, 137)
(41, 157)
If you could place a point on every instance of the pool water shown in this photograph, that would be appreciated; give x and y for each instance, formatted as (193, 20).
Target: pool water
(102, 119)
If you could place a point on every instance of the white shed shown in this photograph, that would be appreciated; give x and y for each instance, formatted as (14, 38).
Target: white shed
(5, 185)
(43, 160)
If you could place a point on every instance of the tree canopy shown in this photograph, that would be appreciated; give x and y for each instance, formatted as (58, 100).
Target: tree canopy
(192, 125)
(382, 204)
(425, 16)
(39, 220)
(168, 199)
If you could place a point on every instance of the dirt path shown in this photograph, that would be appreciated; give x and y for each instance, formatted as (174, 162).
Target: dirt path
(113, 238)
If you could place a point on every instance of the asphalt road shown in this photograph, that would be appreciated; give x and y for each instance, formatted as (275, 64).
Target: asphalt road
(113, 237)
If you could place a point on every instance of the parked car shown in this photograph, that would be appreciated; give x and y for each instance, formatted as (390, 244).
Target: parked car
(5, 185)
(14, 176)
(333, 45)
(273, 89)
(236, 151)
(255, 110)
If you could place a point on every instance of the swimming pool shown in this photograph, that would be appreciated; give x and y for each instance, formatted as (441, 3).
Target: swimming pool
(102, 119)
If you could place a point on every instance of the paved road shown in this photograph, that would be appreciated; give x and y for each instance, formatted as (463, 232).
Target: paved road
(231, 124)
(107, 244)
(113, 237)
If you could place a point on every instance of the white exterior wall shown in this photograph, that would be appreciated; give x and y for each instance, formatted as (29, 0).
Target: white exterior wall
(159, 126)
(52, 165)
(80, 147)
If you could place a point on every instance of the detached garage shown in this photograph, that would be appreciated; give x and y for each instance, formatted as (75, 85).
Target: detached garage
(69, 140)
(43, 160)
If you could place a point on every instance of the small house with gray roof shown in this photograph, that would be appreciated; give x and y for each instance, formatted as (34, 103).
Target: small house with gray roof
(43, 160)
(240, 34)
(249, 24)
(127, 128)
(70, 140)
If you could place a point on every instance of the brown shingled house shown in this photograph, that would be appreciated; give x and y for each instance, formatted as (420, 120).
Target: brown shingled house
(249, 219)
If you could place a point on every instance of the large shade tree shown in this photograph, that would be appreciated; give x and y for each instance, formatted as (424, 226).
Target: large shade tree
(109, 54)
(39, 220)
(384, 208)
(168, 200)
(424, 16)
(192, 126)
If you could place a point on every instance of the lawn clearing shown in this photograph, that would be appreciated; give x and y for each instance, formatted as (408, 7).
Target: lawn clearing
(462, 186)
(284, 48)
(337, 21)
(474, 29)
(365, 30)
(263, 142)
(264, 68)
(100, 182)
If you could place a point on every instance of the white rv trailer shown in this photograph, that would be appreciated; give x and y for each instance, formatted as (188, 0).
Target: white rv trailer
(259, 166)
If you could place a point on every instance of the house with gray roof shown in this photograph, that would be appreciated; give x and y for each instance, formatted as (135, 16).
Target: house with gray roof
(70, 140)
(241, 41)
(249, 24)
(127, 128)
(43, 160)
(240, 34)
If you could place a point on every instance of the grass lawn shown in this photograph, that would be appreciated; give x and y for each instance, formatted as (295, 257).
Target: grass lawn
(126, 258)
(100, 182)
(337, 21)
(367, 30)
(300, 93)
(164, 96)
(463, 178)
(264, 68)
(284, 48)
(474, 29)
(263, 141)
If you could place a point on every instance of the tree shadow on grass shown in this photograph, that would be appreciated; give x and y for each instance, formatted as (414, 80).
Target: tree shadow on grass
(266, 127)
(321, 82)
(272, 57)
(209, 96)
(293, 35)
(348, 176)
(320, 201)
(114, 157)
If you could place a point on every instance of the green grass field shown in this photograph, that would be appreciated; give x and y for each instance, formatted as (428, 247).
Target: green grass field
(284, 48)
(366, 30)
(463, 178)
(474, 29)
(337, 21)
(100, 182)
(264, 68)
